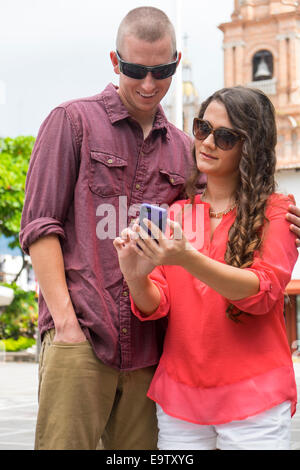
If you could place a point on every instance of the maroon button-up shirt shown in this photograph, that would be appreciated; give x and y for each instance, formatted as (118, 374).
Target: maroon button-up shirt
(90, 164)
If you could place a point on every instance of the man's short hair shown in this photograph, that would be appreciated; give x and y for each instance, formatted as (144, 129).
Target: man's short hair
(148, 24)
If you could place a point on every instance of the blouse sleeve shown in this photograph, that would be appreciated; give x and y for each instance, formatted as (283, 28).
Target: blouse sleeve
(159, 279)
(274, 265)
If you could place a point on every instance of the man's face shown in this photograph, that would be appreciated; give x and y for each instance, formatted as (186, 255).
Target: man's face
(141, 97)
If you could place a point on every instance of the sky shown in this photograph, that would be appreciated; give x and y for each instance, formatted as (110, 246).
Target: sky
(52, 51)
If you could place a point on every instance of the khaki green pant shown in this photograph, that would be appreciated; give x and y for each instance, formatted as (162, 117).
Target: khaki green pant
(82, 400)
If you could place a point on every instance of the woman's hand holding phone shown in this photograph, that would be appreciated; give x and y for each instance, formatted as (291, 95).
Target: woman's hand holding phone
(144, 245)
(132, 265)
(162, 249)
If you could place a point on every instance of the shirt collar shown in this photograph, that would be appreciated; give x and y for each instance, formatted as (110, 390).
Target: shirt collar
(117, 111)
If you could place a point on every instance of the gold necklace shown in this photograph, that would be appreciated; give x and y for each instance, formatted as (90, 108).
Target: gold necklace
(218, 215)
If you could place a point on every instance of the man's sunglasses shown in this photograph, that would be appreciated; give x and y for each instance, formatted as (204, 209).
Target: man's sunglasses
(159, 72)
(224, 138)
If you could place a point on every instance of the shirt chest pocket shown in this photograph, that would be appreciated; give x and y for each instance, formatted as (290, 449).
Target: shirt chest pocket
(107, 174)
(169, 186)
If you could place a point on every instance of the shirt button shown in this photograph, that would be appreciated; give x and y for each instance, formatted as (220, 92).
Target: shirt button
(172, 180)
(125, 294)
(137, 186)
(124, 330)
(109, 160)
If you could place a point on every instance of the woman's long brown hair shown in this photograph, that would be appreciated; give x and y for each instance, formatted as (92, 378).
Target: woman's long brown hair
(251, 114)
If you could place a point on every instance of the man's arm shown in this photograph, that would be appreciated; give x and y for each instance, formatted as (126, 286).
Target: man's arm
(47, 260)
(49, 193)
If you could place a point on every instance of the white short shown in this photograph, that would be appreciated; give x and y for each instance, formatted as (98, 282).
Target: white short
(269, 430)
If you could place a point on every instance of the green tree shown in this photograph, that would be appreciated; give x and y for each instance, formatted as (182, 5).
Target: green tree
(19, 319)
(14, 160)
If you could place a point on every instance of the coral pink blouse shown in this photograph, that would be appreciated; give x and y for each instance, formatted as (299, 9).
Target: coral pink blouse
(214, 370)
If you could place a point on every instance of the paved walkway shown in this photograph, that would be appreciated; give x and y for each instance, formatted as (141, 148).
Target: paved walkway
(18, 406)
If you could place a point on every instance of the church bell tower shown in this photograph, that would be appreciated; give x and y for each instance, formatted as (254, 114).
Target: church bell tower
(262, 50)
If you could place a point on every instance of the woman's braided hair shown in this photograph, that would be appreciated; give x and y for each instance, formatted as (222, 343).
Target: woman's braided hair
(253, 115)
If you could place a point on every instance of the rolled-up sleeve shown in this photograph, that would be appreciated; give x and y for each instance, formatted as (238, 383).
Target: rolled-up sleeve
(51, 179)
(159, 279)
(274, 265)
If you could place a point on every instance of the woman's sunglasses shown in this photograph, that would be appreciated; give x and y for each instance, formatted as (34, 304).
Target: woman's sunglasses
(224, 138)
(159, 72)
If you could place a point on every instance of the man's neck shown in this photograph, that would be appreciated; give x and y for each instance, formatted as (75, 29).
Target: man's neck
(145, 120)
(146, 128)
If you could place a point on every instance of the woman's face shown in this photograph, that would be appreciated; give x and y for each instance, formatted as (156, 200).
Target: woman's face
(211, 159)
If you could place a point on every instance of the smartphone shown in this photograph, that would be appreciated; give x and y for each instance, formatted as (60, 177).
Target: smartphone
(156, 214)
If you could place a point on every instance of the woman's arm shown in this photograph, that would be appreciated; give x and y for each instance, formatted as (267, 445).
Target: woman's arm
(145, 295)
(253, 289)
(232, 283)
(135, 269)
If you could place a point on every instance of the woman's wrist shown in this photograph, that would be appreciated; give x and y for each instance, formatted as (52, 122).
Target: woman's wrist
(190, 257)
(145, 294)
(138, 282)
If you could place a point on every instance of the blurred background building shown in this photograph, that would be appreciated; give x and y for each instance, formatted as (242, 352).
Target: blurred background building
(190, 96)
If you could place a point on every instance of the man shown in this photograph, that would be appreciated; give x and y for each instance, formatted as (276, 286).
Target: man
(91, 156)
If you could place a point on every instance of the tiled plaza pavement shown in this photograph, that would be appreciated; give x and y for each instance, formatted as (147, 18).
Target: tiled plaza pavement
(18, 406)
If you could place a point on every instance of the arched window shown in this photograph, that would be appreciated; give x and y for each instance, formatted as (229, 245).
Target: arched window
(262, 66)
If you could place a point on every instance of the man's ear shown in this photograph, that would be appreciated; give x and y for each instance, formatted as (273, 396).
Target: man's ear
(179, 58)
(114, 61)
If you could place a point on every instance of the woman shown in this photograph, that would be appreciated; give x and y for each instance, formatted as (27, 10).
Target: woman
(225, 379)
